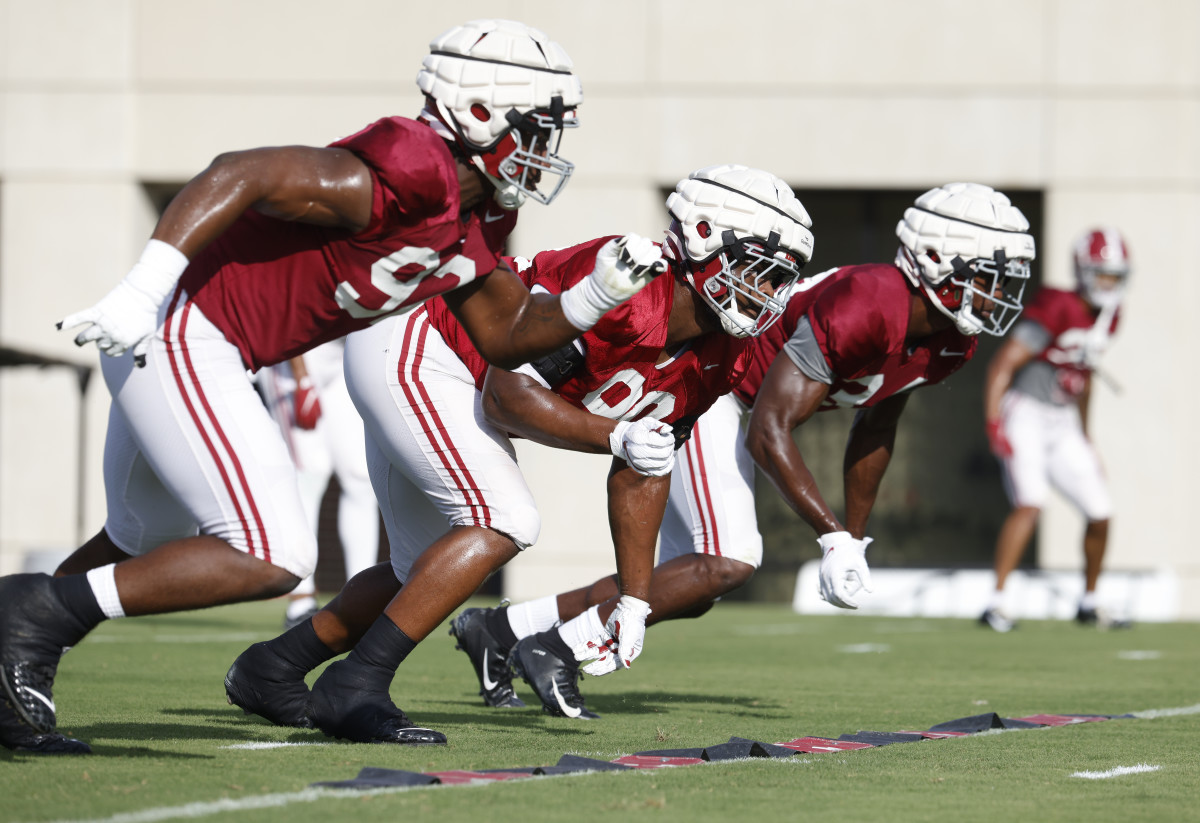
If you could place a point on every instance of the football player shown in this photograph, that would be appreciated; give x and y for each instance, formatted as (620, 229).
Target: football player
(1036, 402)
(855, 336)
(438, 424)
(265, 254)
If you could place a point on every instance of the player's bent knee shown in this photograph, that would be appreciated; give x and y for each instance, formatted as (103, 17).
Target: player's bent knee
(726, 574)
(524, 526)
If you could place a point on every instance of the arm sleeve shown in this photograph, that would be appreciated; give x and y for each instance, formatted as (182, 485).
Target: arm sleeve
(804, 351)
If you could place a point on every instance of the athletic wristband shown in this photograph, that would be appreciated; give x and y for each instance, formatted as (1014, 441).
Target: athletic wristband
(157, 270)
(585, 303)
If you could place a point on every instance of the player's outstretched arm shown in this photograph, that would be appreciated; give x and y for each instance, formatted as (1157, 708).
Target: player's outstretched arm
(786, 399)
(636, 504)
(509, 326)
(868, 452)
(1011, 357)
(329, 187)
(517, 403)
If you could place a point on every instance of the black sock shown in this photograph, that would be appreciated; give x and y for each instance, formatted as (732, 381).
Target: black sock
(384, 646)
(80, 601)
(301, 647)
(552, 641)
(497, 623)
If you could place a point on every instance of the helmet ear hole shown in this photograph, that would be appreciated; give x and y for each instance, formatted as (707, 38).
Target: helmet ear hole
(703, 229)
(480, 112)
(933, 255)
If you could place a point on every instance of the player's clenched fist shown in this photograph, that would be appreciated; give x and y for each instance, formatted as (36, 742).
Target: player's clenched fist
(844, 571)
(647, 445)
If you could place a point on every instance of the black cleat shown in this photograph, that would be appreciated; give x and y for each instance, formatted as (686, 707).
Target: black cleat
(346, 703)
(1100, 619)
(263, 683)
(35, 625)
(997, 620)
(552, 678)
(488, 657)
(15, 734)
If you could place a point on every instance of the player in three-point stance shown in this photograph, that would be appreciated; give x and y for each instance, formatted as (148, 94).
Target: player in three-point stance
(856, 336)
(1036, 402)
(440, 456)
(265, 254)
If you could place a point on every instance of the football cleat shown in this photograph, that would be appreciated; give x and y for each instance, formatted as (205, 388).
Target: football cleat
(345, 704)
(15, 734)
(292, 622)
(488, 657)
(35, 625)
(552, 678)
(263, 683)
(996, 619)
(1100, 619)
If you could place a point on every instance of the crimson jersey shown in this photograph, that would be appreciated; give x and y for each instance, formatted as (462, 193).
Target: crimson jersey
(1077, 336)
(620, 377)
(277, 288)
(859, 318)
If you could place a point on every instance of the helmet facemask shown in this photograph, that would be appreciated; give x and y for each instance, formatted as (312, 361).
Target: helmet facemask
(753, 271)
(998, 281)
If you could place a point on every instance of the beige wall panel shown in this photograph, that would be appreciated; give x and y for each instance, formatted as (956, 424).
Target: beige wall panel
(375, 42)
(1117, 44)
(1127, 139)
(615, 139)
(65, 132)
(179, 134)
(84, 42)
(609, 43)
(66, 245)
(922, 43)
(859, 141)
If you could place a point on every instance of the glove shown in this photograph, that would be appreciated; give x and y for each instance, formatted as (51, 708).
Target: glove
(844, 569)
(997, 441)
(623, 267)
(627, 625)
(307, 404)
(647, 445)
(127, 316)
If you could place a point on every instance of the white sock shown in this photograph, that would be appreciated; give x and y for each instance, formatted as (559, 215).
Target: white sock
(104, 585)
(997, 600)
(1088, 603)
(577, 631)
(533, 616)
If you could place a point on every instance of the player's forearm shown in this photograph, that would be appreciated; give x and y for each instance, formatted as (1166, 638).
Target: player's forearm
(635, 510)
(862, 477)
(535, 413)
(776, 454)
(507, 325)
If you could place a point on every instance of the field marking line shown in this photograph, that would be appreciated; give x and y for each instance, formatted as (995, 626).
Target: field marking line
(865, 648)
(271, 744)
(1140, 768)
(223, 637)
(1150, 714)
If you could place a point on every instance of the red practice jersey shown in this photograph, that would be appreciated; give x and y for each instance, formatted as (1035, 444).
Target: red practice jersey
(620, 377)
(859, 317)
(1070, 323)
(278, 288)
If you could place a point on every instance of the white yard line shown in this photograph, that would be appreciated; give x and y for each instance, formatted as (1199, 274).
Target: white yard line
(267, 744)
(1117, 772)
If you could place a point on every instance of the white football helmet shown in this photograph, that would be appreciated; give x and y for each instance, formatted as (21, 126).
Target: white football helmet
(956, 235)
(738, 231)
(1101, 251)
(504, 92)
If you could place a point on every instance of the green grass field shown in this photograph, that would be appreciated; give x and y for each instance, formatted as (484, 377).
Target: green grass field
(147, 694)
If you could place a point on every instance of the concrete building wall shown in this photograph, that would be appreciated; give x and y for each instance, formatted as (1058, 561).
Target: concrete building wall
(1095, 102)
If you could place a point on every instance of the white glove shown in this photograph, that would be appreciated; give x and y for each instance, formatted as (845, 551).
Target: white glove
(627, 625)
(623, 267)
(844, 569)
(127, 316)
(647, 445)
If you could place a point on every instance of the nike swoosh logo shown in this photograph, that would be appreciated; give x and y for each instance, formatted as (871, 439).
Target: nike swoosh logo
(569, 711)
(711, 366)
(488, 683)
(42, 698)
(488, 217)
(946, 353)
